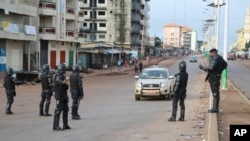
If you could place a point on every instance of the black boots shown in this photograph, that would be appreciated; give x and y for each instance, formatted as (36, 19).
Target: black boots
(173, 118)
(47, 110)
(75, 115)
(182, 116)
(56, 122)
(8, 109)
(215, 108)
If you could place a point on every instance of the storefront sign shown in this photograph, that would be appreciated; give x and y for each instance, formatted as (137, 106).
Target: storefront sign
(9, 27)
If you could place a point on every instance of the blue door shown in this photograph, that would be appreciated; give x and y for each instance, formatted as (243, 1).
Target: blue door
(2, 59)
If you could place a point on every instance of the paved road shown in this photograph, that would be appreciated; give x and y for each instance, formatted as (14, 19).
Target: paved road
(109, 113)
(239, 75)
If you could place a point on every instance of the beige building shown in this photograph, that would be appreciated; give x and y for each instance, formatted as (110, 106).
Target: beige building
(172, 36)
(243, 34)
(58, 34)
(18, 34)
(33, 33)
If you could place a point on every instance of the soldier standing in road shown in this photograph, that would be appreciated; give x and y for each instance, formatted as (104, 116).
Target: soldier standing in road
(76, 90)
(47, 86)
(217, 65)
(10, 89)
(62, 100)
(180, 92)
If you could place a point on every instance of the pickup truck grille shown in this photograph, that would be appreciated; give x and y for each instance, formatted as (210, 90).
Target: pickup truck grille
(151, 85)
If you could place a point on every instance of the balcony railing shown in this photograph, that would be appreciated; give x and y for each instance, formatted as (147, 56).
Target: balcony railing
(70, 33)
(81, 35)
(47, 30)
(81, 14)
(48, 5)
(70, 10)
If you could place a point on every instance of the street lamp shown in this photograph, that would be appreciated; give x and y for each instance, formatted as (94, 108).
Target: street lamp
(224, 73)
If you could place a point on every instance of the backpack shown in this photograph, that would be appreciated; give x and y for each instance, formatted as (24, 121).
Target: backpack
(222, 65)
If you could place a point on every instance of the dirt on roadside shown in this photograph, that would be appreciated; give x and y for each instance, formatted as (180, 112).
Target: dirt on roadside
(233, 110)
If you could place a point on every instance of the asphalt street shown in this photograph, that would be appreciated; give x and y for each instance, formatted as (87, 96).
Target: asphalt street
(239, 75)
(109, 112)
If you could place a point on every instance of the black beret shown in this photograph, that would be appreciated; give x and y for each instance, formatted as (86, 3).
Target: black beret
(213, 50)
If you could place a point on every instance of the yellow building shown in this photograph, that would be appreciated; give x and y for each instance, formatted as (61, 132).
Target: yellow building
(240, 39)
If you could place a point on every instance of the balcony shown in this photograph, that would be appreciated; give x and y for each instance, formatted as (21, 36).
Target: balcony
(70, 13)
(47, 8)
(81, 16)
(47, 30)
(142, 22)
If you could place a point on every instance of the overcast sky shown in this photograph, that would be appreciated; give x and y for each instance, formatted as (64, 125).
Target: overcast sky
(191, 14)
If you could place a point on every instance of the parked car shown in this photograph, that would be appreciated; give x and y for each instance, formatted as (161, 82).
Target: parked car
(154, 82)
(193, 59)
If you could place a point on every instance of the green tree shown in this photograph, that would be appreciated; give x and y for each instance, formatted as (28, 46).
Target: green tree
(158, 42)
(247, 46)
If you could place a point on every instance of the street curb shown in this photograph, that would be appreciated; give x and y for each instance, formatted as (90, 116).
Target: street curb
(239, 92)
(213, 132)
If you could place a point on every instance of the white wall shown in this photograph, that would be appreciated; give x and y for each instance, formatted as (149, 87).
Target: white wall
(14, 54)
(194, 41)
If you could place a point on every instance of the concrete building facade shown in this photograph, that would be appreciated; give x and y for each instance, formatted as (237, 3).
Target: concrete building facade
(59, 31)
(172, 36)
(118, 22)
(18, 34)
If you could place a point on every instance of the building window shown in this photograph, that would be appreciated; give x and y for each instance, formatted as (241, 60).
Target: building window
(85, 12)
(85, 24)
(101, 13)
(102, 24)
(85, 36)
(85, 1)
(172, 34)
(101, 1)
(101, 36)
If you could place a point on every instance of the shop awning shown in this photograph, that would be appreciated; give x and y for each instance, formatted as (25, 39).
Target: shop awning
(111, 51)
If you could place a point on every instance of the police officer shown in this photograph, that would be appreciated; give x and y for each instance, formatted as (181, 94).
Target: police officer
(217, 65)
(76, 90)
(47, 86)
(61, 87)
(9, 85)
(180, 92)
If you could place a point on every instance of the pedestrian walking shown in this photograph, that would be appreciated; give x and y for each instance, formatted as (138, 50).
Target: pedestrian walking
(119, 64)
(140, 67)
(130, 63)
(76, 90)
(180, 92)
(47, 86)
(136, 68)
(10, 89)
(62, 99)
(215, 68)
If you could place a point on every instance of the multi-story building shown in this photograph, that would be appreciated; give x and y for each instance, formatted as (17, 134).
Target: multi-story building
(118, 22)
(186, 37)
(172, 36)
(18, 35)
(176, 36)
(58, 34)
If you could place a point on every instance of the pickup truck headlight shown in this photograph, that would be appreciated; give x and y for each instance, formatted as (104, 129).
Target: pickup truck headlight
(163, 85)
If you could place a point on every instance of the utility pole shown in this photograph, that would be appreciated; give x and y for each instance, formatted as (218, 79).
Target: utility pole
(224, 73)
